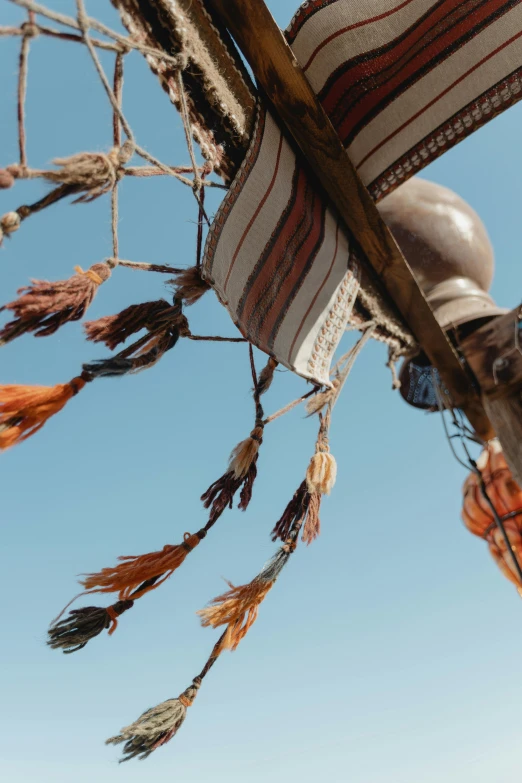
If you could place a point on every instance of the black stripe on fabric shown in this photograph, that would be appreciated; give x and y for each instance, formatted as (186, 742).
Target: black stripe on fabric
(303, 275)
(420, 73)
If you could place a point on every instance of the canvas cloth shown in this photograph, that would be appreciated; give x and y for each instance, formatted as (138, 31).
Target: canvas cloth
(401, 83)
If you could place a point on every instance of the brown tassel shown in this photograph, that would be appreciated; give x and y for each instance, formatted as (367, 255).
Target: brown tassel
(43, 306)
(115, 329)
(141, 355)
(242, 471)
(220, 494)
(242, 467)
(189, 285)
(303, 509)
(266, 377)
(72, 633)
(295, 510)
(312, 523)
(137, 575)
(25, 409)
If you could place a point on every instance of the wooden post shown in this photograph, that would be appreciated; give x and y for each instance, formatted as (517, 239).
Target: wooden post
(494, 352)
(278, 73)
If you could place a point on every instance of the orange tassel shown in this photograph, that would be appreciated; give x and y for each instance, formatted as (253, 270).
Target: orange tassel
(237, 608)
(133, 571)
(25, 409)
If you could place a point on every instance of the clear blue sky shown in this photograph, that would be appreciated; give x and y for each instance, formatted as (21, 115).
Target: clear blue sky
(388, 652)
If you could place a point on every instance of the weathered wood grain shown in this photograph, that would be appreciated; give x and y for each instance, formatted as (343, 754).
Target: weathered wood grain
(494, 353)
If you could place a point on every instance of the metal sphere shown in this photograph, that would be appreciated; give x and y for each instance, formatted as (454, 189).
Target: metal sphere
(447, 246)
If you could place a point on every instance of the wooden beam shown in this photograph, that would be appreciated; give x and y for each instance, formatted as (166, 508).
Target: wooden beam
(280, 76)
(494, 352)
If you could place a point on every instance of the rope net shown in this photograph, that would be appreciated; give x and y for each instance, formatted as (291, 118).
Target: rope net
(155, 327)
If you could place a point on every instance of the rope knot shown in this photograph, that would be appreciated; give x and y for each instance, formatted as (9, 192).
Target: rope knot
(257, 432)
(95, 173)
(125, 152)
(30, 30)
(10, 222)
(7, 179)
(98, 273)
(188, 696)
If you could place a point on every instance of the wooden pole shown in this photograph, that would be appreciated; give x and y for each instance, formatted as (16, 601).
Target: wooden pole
(293, 100)
(494, 352)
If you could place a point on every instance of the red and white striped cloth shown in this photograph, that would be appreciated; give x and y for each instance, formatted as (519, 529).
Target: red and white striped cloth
(402, 82)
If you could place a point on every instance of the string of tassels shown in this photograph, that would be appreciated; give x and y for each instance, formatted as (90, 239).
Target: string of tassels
(237, 609)
(90, 174)
(242, 467)
(157, 726)
(135, 576)
(322, 470)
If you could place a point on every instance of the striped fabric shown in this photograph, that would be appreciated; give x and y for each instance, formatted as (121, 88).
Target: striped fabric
(402, 83)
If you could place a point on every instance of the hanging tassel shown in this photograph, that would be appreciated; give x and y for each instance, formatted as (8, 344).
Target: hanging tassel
(312, 522)
(131, 579)
(189, 285)
(72, 633)
(158, 725)
(303, 509)
(245, 453)
(242, 472)
(25, 409)
(242, 467)
(115, 329)
(144, 353)
(43, 306)
(321, 473)
(239, 606)
(266, 377)
(133, 571)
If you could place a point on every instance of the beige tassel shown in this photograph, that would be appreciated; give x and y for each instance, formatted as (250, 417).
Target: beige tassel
(321, 473)
(245, 453)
